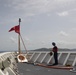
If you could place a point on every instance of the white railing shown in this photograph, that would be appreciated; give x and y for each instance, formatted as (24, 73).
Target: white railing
(64, 57)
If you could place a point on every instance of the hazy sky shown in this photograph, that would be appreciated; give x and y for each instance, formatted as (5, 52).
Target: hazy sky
(43, 21)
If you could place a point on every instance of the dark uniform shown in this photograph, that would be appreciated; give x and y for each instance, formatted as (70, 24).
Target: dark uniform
(55, 49)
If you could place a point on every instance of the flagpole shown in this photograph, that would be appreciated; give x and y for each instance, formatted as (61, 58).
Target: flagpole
(19, 48)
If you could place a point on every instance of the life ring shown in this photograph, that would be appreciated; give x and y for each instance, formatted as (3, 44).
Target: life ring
(22, 58)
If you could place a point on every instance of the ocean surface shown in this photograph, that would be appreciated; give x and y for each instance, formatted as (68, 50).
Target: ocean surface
(30, 69)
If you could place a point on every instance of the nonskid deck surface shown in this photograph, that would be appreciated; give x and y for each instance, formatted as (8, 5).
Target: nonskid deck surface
(30, 69)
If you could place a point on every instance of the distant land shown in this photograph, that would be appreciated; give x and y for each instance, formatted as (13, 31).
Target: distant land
(42, 49)
(59, 49)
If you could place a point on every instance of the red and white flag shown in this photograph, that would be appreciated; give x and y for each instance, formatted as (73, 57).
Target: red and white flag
(16, 29)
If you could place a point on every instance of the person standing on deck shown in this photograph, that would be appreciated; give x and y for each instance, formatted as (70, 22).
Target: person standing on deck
(55, 50)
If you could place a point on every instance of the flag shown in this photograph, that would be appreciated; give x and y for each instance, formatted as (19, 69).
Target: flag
(16, 29)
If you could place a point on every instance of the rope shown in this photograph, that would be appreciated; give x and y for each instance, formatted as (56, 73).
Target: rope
(23, 43)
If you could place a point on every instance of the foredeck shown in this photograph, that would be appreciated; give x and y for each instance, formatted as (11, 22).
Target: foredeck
(9, 65)
(30, 69)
